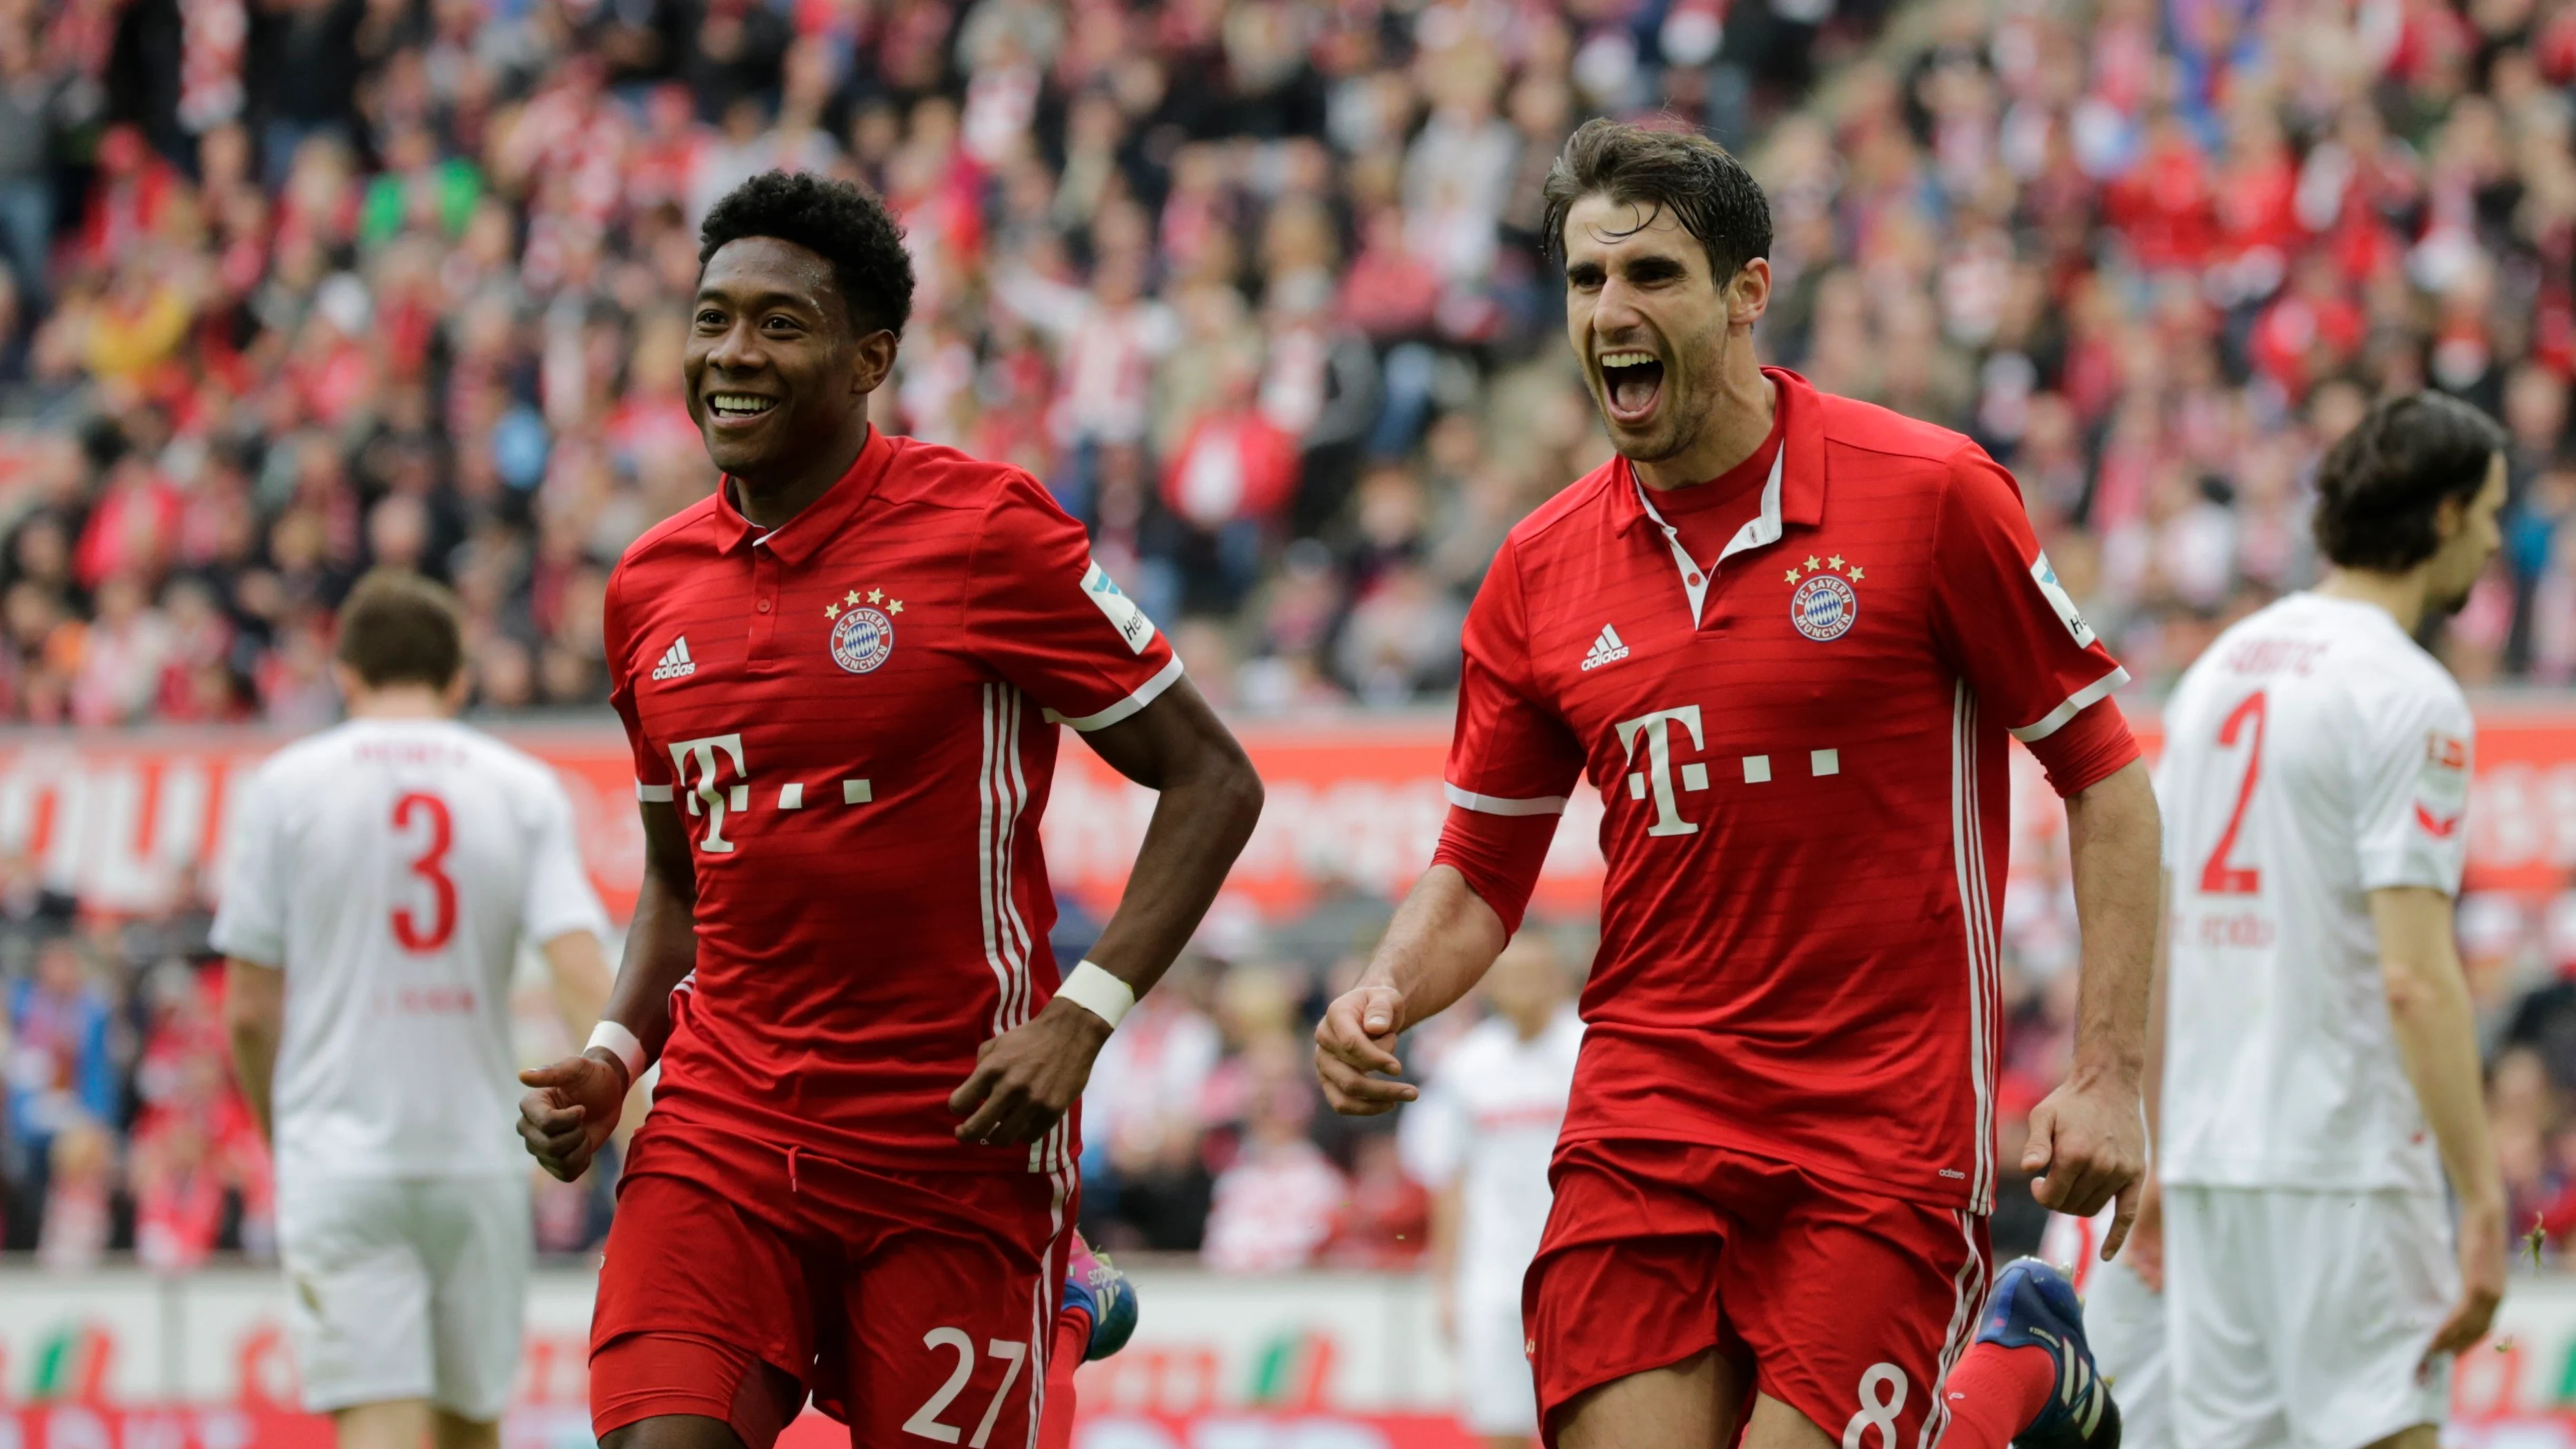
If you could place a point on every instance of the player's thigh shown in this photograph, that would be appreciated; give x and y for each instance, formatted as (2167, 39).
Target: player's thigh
(358, 1293)
(2221, 1297)
(948, 1330)
(1854, 1306)
(1497, 1397)
(704, 1310)
(2373, 1276)
(1624, 1285)
(478, 1242)
(1690, 1404)
(2124, 1320)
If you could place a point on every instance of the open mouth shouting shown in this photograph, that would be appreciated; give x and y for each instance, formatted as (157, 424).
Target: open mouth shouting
(736, 409)
(1632, 382)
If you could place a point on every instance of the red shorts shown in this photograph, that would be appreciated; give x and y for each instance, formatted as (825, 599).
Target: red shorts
(1849, 1307)
(912, 1305)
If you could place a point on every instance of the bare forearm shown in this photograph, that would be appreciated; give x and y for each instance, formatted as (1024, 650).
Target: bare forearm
(1448, 1209)
(661, 950)
(581, 980)
(1440, 944)
(2436, 1029)
(255, 1067)
(2437, 1040)
(1201, 822)
(2112, 837)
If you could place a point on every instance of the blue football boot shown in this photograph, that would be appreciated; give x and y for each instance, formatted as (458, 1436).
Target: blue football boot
(1094, 1285)
(2035, 1307)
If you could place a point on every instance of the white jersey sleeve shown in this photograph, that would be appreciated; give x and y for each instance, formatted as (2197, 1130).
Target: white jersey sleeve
(2412, 784)
(251, 921)
(560, 899)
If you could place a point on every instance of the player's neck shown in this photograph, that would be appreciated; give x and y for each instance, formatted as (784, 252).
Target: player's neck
(769, 500)
(2401, 595)
(1738, 420)
(400, 701)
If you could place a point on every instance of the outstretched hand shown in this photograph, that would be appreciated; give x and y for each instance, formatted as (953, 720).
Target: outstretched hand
(1026, 1078)
(2088, 1146)
(1355, 1052)
(574, 1106)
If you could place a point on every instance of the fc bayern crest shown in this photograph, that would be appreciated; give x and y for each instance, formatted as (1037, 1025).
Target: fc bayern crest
(862, 639)
(1824, 607)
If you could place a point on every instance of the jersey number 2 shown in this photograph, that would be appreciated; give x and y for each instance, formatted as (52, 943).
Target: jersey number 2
(430, 865)
(2217, 876)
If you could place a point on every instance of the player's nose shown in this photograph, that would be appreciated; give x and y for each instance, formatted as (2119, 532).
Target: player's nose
(738, 350)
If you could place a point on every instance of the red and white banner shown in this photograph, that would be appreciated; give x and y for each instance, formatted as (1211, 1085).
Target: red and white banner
(129, 822)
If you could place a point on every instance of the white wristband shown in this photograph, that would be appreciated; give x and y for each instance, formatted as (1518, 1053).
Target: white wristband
(1098, 992)
(622, 1044)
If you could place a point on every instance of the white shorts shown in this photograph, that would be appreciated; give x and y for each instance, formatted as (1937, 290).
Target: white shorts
(1496, 1396)
(2300, 1318)
(406, 1288)
(2125, 1323)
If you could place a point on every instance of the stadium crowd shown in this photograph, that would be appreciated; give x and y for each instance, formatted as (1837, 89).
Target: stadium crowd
(297, 287)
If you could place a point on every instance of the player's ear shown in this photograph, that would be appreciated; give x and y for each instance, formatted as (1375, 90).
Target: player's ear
(873, 362)
(1748, 293)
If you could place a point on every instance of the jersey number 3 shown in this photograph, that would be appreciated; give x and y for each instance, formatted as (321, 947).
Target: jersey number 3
(2217, 876)
(430, 865)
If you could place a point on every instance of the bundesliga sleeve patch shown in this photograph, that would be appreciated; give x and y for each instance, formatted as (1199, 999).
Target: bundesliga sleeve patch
(2442, 786)
(2044, 574)
(1124, 616)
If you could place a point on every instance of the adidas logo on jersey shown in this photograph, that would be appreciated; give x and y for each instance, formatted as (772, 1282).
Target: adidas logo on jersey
(676, 663)
(1605, 650)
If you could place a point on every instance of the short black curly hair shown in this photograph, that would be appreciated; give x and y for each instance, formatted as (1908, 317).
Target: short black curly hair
(2380, 485)
(843, 223)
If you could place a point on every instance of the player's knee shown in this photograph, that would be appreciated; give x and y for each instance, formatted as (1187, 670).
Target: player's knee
(452, 1431)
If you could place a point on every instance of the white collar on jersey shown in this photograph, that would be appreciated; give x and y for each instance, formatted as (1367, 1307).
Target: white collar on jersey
(1761, 529)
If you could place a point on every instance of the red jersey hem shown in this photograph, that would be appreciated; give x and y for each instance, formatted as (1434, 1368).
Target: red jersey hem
(1838, 1173)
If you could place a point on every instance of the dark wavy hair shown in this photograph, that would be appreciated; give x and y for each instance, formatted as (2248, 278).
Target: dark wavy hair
(2381, 484)
(1699, 181)
(844, 224)
(399, 628)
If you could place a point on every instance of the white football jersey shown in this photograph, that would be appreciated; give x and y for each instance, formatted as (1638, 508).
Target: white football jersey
(2313, 755)
(391, 867)
(1487, 1120)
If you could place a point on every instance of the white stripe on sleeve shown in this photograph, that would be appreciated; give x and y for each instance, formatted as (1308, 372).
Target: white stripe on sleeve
(1145, 694)
(653, 794)
(1498, 805)
(2076, 703)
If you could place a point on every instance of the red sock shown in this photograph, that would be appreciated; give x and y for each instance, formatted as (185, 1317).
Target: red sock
(1072, 1336)
(1994, 1393)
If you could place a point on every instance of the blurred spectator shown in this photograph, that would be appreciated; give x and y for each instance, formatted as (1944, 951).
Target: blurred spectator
(62, 1069)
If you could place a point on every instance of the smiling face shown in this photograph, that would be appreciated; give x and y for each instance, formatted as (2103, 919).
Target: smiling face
(1650, 324)
(776, 372)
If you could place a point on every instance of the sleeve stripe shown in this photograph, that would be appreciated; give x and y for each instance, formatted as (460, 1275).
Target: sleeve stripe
(653, 794)
(1498, 805)
(1145, 694)
(2076, 703)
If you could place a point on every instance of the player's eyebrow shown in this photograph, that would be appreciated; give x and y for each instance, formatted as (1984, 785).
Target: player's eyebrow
(753, 299)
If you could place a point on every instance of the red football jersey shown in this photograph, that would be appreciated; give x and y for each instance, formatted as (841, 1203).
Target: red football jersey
(856, 717)
(1801, 758)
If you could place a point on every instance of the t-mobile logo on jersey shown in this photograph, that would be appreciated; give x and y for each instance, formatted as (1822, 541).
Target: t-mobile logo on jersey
(1658, 774)
(707, 797)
